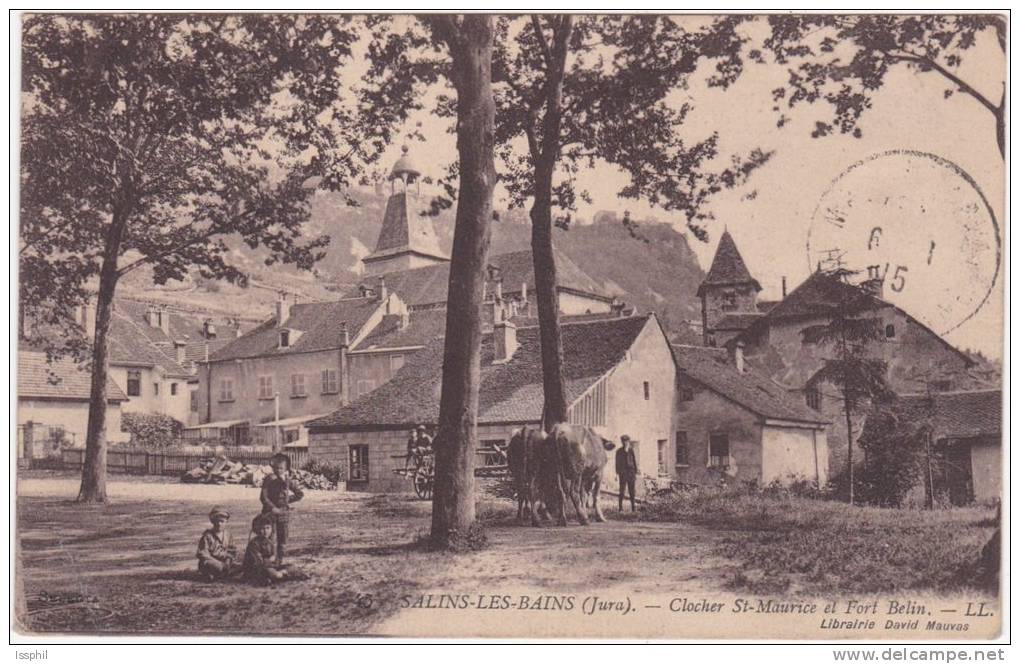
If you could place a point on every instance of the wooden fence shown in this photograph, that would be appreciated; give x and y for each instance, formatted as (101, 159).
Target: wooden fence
(140, 462)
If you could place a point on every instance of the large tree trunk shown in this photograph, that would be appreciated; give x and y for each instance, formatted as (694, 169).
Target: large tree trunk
(453, 502)
(545, 157)
(93, 473)
(555, 398)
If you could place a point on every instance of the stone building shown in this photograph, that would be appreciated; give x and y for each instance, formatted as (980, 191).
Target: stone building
(733, 423)
(620, 379)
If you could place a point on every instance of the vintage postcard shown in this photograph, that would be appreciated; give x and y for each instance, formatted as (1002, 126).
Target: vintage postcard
(552, 326)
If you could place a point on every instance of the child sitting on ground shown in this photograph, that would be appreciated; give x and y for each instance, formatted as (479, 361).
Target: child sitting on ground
(278, 492)
(258, 558)
(216, 552)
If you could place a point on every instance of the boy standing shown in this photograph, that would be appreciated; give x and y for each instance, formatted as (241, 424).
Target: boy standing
(278, 492)
(215, 549)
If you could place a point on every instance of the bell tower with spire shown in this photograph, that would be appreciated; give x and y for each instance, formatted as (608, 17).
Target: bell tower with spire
(407, 239)
(727, 291)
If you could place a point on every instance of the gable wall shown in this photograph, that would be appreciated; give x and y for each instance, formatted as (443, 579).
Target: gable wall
(710, 413)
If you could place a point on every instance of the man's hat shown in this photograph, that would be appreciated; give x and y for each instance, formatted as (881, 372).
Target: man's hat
(625, 438)
(421, 427)
(279, 456)
(218, 513)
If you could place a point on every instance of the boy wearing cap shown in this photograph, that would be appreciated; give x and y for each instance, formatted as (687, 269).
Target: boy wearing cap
(278, 492)
(215, 548)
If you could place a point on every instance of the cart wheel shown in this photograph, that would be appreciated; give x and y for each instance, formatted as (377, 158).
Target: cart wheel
(423, 485)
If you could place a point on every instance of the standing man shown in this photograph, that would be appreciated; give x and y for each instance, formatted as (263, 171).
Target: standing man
(626, 469)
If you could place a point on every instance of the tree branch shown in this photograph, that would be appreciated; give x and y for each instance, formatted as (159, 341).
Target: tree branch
(946, 73)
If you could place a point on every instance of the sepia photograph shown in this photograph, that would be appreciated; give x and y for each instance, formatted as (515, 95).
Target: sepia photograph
(552, 326)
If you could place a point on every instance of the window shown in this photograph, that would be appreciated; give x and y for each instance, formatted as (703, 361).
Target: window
(682, 454)
(155, 389)
(266, 387)
(173, 389)
(663, 449)
(297, 385)
(359, 463)
(284, 338)
(396, 362)
(648, 390)
(890, 331)
(134, 383)
(718, 450)
(329, 382)
(194, 402)
(290, 435)
(365, 386)
(686, 393)
(226, 389)
(729, 301)
(813, 398)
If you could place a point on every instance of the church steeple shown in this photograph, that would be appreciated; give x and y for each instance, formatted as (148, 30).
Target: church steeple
(407, 239)
(729, 294)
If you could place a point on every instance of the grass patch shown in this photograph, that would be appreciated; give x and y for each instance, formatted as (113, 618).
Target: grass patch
(787, 542)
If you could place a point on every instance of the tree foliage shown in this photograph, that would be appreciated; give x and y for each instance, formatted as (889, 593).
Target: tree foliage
(843, 60)
(156, 139)
(849, 331)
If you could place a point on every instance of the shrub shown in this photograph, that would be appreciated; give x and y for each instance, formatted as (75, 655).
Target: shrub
(334, 472)
(152, 431)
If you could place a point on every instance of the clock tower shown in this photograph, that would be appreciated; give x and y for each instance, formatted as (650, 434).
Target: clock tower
(728, 291)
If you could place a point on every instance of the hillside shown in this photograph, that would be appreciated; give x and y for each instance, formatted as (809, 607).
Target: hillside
(652, 269)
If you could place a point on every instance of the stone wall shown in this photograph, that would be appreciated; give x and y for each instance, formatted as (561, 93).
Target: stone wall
(710, 413)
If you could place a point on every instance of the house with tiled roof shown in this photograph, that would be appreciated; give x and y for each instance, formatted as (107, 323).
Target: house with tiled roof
(294, 366)
(733, 422)
(771, 333)
(53, 405)
(619, 376)
(964, 430)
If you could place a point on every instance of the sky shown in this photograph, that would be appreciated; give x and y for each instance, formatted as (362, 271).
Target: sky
(770, 216)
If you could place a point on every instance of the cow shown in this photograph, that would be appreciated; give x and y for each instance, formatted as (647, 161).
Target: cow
(580, 456)
(524, 460)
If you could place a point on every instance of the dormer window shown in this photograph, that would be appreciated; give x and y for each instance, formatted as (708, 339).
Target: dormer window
(284, 338)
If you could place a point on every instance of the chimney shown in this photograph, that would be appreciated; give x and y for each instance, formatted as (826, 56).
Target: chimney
(282, 309)
(499, 289)
(383, 291)
(405, 319)
(209, 329)
(784, 287)
(737, 355)
(874, 286)
(617, 307)
(87, 319)
(524, 291)
(504, 338)
(179, 346)
(164, 320)
(345, 337)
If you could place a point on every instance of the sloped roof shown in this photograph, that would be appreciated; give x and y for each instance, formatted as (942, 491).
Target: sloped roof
(131, 344)
(427, 285)
(319, 324)
(422, 327)
(728, 267)
(509, 392)
(405, 230)
(740, 321)
(967, 414)
(752, 389)
(62, 379)
(815, 297)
